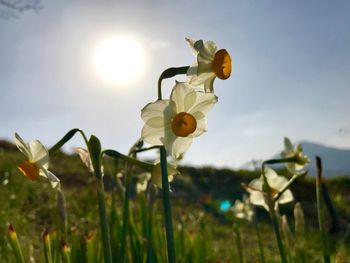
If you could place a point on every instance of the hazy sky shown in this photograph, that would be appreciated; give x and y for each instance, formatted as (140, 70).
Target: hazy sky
(291, 72)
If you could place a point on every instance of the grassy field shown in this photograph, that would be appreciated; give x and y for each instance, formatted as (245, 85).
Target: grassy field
(203, 233)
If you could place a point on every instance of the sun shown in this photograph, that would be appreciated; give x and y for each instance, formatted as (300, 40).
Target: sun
(120, 59)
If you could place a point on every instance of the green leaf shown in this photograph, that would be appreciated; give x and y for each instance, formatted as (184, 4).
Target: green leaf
(65, 139)
(94, 146)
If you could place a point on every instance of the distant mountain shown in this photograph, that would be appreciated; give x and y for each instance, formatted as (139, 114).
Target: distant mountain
(335, 161)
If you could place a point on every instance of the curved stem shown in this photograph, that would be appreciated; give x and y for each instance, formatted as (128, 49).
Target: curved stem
(169, 73)
(117, 155)
(66, 138)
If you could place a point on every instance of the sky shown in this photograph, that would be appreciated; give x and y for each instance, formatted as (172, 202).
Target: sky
(291, 64)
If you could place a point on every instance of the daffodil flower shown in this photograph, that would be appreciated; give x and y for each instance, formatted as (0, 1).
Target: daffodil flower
(175, 122)
(243, 209)
(38, 161)
(211, 63)
(297, 152)
(276, 184)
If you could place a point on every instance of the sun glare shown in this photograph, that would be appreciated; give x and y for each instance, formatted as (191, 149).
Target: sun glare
(120, 59)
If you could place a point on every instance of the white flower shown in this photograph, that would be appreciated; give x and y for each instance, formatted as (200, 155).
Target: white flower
(142, 182)
(297, 152)
(243, 209)
(155, 176)
(175, 122)
(211, 63)
(38, 161)
(275, 182)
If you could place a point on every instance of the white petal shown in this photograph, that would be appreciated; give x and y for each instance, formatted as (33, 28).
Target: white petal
(286, 197)
(154, 109)
(204, 103)
(22, 146)
(206, 51)
(192, 71)
(180, 146)
(152, 135)
(204, 68)
(209, 84)
(190, 100)
(201, 126)
(278, 182)
(155, 122)
(178, 95)
(55, 182)
(191, 43)
(288, 145)
(39, 154)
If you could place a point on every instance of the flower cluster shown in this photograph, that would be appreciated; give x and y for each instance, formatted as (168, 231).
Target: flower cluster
(174, 122)
(270, 189)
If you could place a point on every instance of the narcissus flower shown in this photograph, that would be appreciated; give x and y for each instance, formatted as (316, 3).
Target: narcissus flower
(38, 161)
(276, 184)
(301, 159)
(175, 122)
(211, 63)
(243, 209)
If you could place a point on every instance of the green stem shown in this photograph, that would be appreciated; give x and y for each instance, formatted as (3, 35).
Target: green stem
(261, 249)
(124, 231)
(278, 235)
(169, 73)
(282, 160)
(238, 242)
(150, 250)
(114, 154)
(146, 149)
(62, 214)
(167, 207)
(106, 242)
(323, 234)
(66, 138)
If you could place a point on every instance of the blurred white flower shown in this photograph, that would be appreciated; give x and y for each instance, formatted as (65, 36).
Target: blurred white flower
(142, 182)
(86, 159)
(243, 210)
(175, 122)
(297, 152)
(38, 161)
(211, 63)
(275, 182)
(155, 176)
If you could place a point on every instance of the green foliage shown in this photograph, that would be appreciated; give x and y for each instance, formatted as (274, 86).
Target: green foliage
(201, 232)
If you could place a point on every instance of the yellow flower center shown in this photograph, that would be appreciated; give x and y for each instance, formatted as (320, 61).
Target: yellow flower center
(274, 192)
(183, 124)
(222, 64)
(29, 169)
